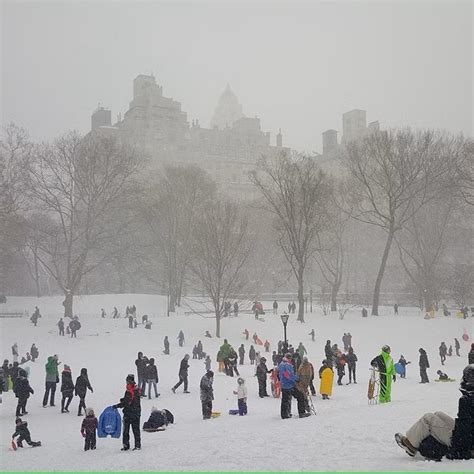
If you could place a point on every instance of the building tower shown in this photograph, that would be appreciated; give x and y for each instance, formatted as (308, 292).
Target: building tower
(101, 117)
(354, 125)
(279, 139)
(228, 110)
(329, 141)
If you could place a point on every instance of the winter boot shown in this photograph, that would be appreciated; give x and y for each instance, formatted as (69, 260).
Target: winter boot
(403, 442)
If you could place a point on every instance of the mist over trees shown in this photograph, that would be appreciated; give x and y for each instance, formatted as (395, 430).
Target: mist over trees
(87, 214)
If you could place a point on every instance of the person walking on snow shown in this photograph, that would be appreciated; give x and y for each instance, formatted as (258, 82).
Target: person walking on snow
(67, 388)
(180, 338)
(351, 360)
(312, 334)
(183, 374)
(130, 403)
(166, 344)
(80, 389)
(22, 392)
(262, 372)
(457, 346)
(34, 352)
(384, 364)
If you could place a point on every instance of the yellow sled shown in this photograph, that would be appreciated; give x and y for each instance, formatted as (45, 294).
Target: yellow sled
(215, 414)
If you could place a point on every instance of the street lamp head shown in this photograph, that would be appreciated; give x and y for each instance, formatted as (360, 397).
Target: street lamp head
(284, 318)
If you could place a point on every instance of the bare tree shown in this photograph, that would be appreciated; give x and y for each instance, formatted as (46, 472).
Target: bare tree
(76, 182)
(169, 209)
(295, 192)
(464, 178)
(220, 249)
(394, 174)
(422, 245)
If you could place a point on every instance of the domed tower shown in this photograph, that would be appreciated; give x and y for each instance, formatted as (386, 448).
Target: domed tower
(228, 110)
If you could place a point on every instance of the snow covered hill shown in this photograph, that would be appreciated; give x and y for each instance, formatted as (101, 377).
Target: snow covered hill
(346, 434)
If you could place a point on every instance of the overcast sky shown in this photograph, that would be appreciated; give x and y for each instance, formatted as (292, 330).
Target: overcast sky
(296, 65)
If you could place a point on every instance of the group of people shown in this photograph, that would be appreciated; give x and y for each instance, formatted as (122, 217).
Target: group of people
(72, 328)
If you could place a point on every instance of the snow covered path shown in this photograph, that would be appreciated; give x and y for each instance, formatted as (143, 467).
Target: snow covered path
(346, 434)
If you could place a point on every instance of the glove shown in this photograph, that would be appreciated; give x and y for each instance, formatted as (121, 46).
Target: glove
(32, 392)
(83, 434)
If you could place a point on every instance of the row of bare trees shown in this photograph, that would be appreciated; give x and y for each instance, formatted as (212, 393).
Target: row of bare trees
(79, 205)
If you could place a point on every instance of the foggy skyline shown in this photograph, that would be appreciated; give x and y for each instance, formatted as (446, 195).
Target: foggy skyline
(297, 66)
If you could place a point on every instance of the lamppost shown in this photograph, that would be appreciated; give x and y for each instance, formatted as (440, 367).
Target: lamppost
(284, 320)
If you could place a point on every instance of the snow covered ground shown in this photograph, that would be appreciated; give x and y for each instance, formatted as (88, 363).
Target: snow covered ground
(346, 434)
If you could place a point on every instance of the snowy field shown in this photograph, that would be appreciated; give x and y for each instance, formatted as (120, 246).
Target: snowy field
(346, 434)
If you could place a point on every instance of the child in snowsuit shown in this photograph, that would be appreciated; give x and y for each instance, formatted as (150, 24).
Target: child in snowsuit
(89, 429)
(241, 393)
(23, 434)
(22, 391)
(252, 355)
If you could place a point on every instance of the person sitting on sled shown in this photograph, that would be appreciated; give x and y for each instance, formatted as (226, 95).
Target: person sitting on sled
(435, 435)
(442, 375)
(23, 434)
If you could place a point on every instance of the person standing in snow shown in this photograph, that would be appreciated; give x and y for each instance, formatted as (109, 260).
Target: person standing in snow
(60, 326)
(166, 344)
(457, 346)
(326, 374)
(443, 350)
(424, 364)
(351, 360)
(80, 389)
(89, 429)
(102, 313)
(67, 388)
(340, 366)
(15, 352)
(180, 338)
(207, 363)
(130, 403)
(241, 393)
(34, 352)
(328, 353)
(262, 372)
(470, 356)
(252, 355)
(151, 377)
(241, 354)
(312, 334)
(275, 307)
(183, 374)
(288, 389)
(384, 364)
(207, 394)
(22, 392)
(141, 363)
(52, 379)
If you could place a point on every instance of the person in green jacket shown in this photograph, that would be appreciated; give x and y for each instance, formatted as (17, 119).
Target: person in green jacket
(225, 351)
(384, 364)
(52, 378)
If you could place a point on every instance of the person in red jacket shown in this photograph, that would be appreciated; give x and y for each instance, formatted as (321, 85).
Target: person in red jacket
(130, 403)
(89, 429)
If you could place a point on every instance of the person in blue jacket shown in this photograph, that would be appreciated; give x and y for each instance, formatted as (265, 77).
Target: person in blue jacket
(288, 380)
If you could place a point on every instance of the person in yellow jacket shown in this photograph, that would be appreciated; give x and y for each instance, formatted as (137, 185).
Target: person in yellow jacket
(326, 375)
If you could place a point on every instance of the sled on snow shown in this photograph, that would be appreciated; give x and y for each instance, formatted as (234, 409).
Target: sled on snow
(445, 380)
(152, 430)
(215, 414)
(233, 412)
(373, 387)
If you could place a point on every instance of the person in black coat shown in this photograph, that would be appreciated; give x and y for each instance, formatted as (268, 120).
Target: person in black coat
(351, 360)
(141, 362)
(23, 434)
(329, 353)
(470, 356)
(457, 346)
(183, 374)
(262, 372)
(166, 344)
(22, 391)
(67, 388)
(130, 403)
(158, 419)
(241, 354)
(34, 352)
(151, 376)
(252, 355)
(82, 384)
(424, 364)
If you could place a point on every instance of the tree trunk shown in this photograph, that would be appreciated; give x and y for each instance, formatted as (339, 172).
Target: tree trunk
(37, 277)
(300, 295)
(68, 304)
(378, 281)
(218, 323)
(334, 291)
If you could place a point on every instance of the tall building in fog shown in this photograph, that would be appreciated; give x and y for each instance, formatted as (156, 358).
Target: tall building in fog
(228, 151)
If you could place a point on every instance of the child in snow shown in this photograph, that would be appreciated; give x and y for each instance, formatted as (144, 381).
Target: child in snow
(207, 363)
(23, 434)
(241, 393)
(89, 429)
(442, 375)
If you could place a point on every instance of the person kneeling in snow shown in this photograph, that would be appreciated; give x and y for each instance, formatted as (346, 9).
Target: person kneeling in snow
(435, 435)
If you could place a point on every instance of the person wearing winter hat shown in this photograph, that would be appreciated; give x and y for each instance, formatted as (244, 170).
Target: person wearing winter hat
(262, 372)
(22, 391)
(82, 384)
(67, 388)
(89, 429)
(207, 394)
(437, 434)
(52, 379)
(288, 380)
(23, 433)
(130, 403)
(241, 393)
(384, 364)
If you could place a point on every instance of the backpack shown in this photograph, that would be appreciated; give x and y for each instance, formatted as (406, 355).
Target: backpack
(432, 449)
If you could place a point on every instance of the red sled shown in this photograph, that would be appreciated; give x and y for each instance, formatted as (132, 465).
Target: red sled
(259, 341)
(14, 446)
